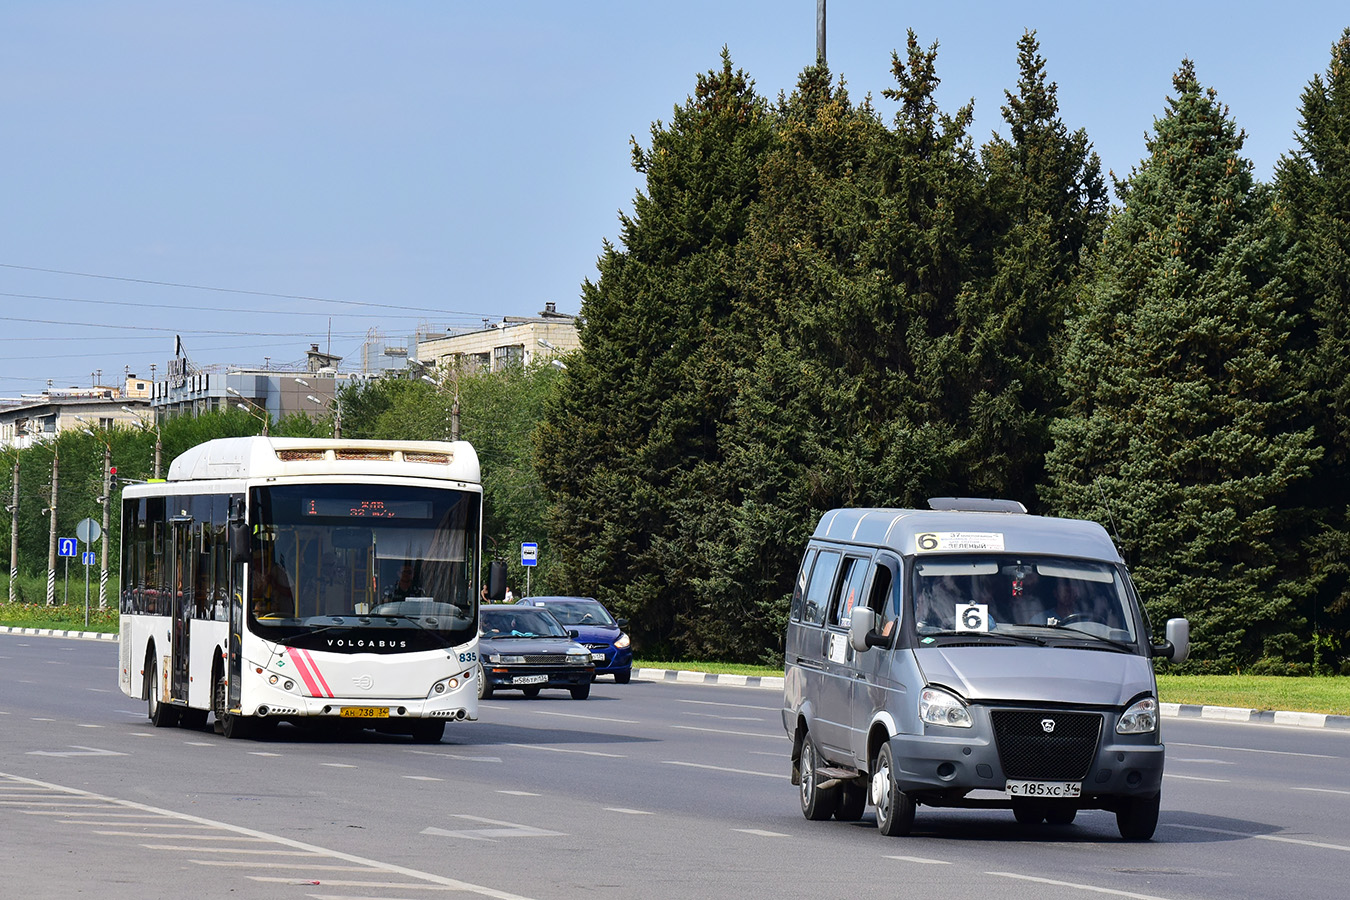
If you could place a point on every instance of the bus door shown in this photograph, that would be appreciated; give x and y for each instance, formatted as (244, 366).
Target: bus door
(183, 566)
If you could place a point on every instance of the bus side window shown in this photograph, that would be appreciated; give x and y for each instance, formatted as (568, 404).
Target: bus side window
(818, 589)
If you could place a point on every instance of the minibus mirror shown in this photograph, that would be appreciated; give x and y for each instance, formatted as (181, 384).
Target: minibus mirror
(860, 629)
(1178, 633)
(497, 581)
(241, 543)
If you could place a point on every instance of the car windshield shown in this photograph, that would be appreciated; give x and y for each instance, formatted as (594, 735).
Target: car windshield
(519, 622)
(1030, 595)
(578, 612)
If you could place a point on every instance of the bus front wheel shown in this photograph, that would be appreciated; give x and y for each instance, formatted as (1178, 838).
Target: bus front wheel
(230, 725)
(161, 715)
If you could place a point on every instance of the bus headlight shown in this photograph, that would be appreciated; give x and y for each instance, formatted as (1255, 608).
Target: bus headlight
(1140, 718)
(937, 707)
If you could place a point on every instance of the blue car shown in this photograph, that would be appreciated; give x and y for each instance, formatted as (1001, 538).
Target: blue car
(596, 630)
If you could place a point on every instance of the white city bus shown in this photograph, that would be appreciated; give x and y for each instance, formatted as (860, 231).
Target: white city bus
(307, 580)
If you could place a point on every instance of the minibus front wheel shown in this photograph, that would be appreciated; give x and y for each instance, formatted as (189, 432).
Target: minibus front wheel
(895, 808)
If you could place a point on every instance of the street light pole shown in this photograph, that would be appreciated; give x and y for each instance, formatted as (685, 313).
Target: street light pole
(14, 533)
(51, 540)
(107, 498)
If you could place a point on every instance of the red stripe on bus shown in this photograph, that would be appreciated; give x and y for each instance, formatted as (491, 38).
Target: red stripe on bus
(303, 669)
(328, 692)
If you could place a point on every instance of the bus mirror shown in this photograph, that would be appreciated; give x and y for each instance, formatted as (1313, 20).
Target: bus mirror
(497, 581)
(241, 543)
(1178, 633)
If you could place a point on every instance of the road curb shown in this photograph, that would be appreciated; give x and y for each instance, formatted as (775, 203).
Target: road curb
(775, 683)
(54, 632)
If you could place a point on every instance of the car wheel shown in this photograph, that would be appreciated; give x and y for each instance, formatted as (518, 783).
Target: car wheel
(581, 691)
(817, 803)
(852, 802)
(161, 714)
(895, 808)
(1137, 817)
(530, 692)
(623, 677)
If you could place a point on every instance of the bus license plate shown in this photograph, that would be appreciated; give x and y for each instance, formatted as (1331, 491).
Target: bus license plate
(365, 712)
(530, 679)
(1045, 788)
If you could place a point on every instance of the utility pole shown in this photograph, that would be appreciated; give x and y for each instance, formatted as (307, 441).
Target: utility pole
(51, 541)
(820, 32)
(14, 532)
(107, 499)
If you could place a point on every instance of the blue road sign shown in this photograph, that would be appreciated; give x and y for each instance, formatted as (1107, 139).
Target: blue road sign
(65, 546)
(529, 554)
(87, 557)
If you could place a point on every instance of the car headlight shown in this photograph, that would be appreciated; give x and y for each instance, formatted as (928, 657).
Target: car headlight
(1140, 718)
(622, 642)
(499, 659)
(937, 707)
(579, 657)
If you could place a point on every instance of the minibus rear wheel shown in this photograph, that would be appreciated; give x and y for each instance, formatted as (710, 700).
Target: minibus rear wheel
(817, 804)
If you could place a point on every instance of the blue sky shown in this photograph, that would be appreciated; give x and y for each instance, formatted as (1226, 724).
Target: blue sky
(251, 175)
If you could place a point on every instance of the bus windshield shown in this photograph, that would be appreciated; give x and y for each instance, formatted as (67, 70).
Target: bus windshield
(1035, 596)
(362, 556)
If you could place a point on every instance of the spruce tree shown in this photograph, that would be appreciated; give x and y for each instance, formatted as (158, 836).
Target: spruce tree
(1313, 185)
(1181, 426)
(1047, 205)
(641, 400)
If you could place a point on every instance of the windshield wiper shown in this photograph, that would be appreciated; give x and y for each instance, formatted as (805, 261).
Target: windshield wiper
(993, 637)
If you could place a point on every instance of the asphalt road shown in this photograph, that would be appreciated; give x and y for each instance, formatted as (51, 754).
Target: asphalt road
(646, 790)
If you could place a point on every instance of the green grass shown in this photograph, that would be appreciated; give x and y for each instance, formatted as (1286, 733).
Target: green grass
(63, 618)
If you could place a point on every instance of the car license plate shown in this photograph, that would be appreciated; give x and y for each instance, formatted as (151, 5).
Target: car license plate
(365, 712)
(1045, 788)
(530, 679)
(597, 657)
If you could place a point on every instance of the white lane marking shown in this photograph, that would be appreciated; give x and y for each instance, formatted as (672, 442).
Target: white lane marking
(108, 815)
(1082, 887)
(1323, 791)
(339, 765)
(422, 778)
(760, 833)
(262, 753)
(76, 750)
(673, 762)
(520, 793)
(922, 860)
(562, 750)
(732, 733)
(1217, 762)
(199, 743)
(733, 705)
(503, 830)
(491, 759)
(83, 725)
(105, 823)
(627, 812)
(251, 851)
(401, 885)
(254, 864)
(1195, 778)
(725, 718)
(36, 719)
(1252, 750)
(1267, 837)
(186, 837)
(543, 712)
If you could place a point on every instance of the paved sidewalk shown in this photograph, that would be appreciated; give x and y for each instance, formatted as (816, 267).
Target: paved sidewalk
(775, 683)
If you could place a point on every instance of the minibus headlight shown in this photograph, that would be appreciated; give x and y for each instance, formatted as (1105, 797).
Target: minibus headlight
(937, 707)
(1140, 718)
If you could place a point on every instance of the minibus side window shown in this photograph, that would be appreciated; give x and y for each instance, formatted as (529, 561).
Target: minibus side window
(850, 591)
(818, 590)
(799, 589)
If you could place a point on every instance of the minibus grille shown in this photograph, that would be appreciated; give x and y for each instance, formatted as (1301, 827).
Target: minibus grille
(1046, 745)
